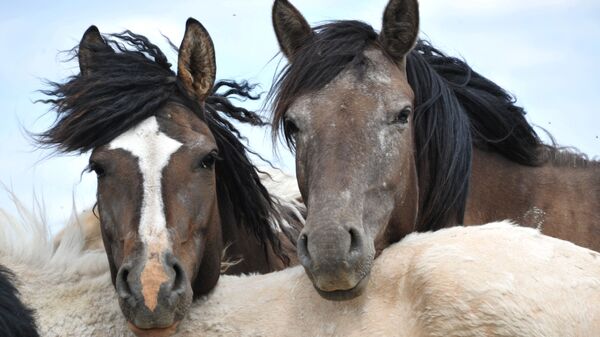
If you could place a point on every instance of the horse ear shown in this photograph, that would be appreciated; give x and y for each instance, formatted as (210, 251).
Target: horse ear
(291, 28)
(400, 27)
(91, 44)
(196, 67)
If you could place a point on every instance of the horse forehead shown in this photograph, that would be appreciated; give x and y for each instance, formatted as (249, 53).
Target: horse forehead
(378, 74)
(350, 94)
(380, 80)
(148, 143)
(382, 87)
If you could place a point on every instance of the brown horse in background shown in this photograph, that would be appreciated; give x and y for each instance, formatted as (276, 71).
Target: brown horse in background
(389, 134)
(175, 182)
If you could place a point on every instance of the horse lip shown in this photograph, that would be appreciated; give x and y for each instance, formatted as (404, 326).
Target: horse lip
(345, 294)
(154, 332)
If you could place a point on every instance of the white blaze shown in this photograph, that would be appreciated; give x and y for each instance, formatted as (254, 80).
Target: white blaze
(153, 149)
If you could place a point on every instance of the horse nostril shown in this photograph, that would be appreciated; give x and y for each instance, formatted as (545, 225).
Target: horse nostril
(123, 289)
(302, 249)
(355, 241)
(179, 286)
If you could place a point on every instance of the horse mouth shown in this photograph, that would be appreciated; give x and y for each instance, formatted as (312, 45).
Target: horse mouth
(155, 332)
(345, 294)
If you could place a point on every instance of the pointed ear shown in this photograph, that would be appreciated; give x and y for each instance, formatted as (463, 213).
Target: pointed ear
(91, 44)
(291, 28)
(196, 66)
(400, 27)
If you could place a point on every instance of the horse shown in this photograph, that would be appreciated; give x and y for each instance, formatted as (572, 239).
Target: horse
(176, 185)
(392, 136)
(453, 282)
(16, 319)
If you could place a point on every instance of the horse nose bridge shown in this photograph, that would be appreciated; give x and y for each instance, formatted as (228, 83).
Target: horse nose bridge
(336, 180)
(334, 194)
(331, 244)
(338, 142)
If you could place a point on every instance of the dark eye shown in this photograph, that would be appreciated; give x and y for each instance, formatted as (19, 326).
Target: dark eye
(97, 168)
(208, 161)
(290, 127)
(402, 116)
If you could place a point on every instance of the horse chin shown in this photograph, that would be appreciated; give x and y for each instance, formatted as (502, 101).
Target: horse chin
(156, 332)
(346, 294)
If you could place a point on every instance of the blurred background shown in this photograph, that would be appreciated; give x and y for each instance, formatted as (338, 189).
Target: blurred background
(545, 52)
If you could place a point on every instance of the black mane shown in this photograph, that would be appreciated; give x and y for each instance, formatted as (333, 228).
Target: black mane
(132, 84)
(16, 320)
(456, 108)
(497, 124)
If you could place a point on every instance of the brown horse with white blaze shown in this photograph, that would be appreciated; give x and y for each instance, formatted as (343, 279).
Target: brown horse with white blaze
(175, 183)
(389, 134)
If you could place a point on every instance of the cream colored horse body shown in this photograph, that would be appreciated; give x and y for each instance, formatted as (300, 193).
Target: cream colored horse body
(492, 280)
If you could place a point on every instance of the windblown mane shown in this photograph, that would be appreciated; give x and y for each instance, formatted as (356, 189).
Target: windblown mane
(456, 108)
(131, 84)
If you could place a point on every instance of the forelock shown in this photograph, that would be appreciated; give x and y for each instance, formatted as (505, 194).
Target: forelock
(334, 47)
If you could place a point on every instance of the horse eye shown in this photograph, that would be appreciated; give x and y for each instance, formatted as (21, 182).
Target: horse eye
(290, 127)
(209, 160)
(97, 168)
(402, 117)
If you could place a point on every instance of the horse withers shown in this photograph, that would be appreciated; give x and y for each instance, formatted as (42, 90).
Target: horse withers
(391, 136)
(175, 183)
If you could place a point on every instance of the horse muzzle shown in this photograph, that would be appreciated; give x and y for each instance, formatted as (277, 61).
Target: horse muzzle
(154, 296)
(337, 259)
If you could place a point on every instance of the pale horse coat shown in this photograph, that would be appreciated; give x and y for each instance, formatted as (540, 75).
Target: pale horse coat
(491, 280)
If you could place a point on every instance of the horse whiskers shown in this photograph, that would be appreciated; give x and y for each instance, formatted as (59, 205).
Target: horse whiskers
(227, 261)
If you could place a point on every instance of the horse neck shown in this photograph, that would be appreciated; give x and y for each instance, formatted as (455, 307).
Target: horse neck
(552, 197)
(245, 253)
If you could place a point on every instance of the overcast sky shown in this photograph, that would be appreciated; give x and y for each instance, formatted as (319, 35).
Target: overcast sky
(545, 52)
